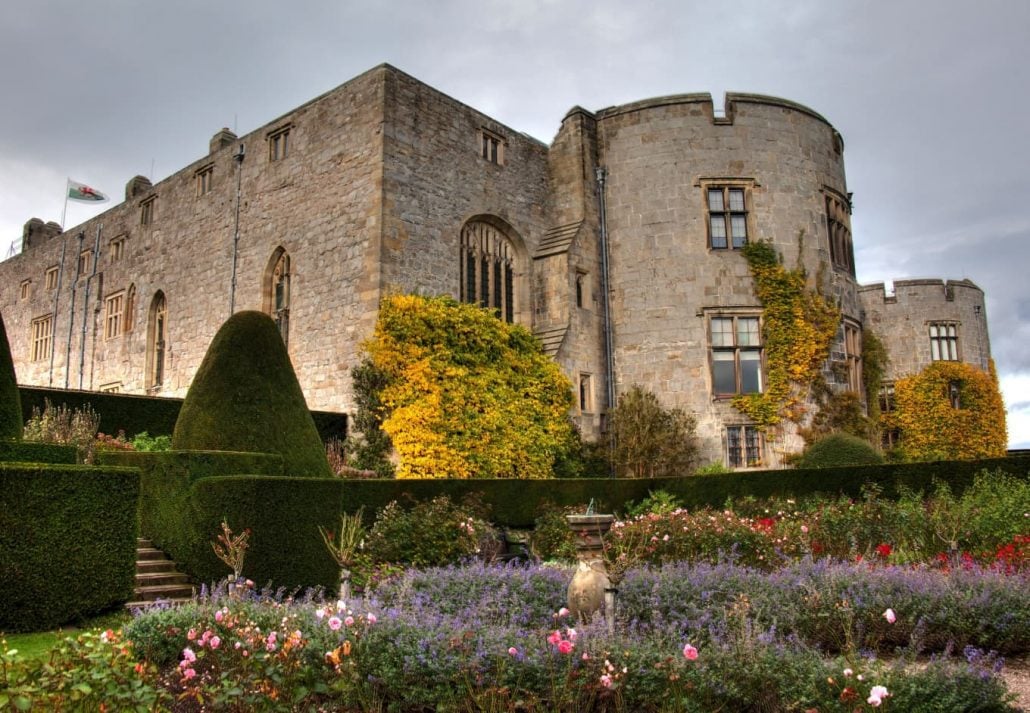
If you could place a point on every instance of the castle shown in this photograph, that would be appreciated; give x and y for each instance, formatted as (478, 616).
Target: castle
(385, 185)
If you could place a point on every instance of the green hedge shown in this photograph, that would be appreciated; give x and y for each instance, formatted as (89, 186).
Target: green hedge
(67, 542)
(165, 480)
(514, 503)
(30, 452)
(283, 515)
(134, 414)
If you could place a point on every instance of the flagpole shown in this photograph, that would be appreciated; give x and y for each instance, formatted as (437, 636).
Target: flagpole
(64, 211)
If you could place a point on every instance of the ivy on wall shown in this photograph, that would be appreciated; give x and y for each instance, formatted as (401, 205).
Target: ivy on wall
(465, 395)
(799, 326)
(949, 411)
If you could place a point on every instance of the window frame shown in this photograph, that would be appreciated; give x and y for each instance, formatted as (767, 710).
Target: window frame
(85, 261)
(279, 143)
(735, 349)
(25, 290)
(205, 176)
(838, 231)
(42, 341)
(147, 211)
(116, 249)
(737, 454)
(938, 341)
(725, 187)
(586, 393)
(853, 354)
(114, 315)
(488, 268)
(492, 147)
(50, 277)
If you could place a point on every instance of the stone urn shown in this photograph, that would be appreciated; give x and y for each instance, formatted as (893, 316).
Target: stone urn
(586, 594)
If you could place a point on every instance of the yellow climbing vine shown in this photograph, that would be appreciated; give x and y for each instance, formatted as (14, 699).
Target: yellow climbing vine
(949, 411)
(799, 326)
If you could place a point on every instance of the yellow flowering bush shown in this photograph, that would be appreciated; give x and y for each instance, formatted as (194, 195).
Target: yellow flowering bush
(467, 395)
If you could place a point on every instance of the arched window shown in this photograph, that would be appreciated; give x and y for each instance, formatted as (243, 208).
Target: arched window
(277, 291)
(129, 315)
(157, 335)
(488, 263)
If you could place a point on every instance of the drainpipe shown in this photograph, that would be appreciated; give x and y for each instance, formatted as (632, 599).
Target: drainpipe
(238, 157)
(609, 352)
(71, 319)
(85, 306)
(57, 300)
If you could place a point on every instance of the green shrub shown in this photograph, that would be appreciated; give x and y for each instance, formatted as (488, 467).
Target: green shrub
(10, 399)
(552, 538)
(427, 534)
(839, 449)
(146, 443)
(659, 502)
(245, 397)
(67, 542)
(651, 441)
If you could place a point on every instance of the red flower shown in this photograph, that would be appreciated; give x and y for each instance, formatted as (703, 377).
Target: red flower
(884, 550)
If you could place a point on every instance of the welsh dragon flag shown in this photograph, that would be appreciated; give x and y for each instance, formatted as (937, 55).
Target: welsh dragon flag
(82, 192)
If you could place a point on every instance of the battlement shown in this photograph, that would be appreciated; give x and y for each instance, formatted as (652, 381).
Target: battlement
(921, 290)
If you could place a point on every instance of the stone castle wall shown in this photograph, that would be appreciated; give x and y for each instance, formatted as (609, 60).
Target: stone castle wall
(901, 320)
(381, 175)
(661, 155)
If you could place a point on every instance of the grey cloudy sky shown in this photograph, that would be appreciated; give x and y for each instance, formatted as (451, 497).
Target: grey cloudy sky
(931, 97)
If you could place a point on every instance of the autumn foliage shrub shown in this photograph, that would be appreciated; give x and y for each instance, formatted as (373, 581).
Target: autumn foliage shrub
(949, 411)
(462, 394)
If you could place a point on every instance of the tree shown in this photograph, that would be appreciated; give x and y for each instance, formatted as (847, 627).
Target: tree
(10, 398)
(651, 441)
(462, 394)
(245, 397)
(949, 411)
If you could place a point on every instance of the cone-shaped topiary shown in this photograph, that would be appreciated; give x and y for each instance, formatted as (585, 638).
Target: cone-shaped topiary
(245, 397)
(840, 449)
(11, 423)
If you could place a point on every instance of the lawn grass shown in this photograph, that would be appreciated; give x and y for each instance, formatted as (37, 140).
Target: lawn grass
(37, 644)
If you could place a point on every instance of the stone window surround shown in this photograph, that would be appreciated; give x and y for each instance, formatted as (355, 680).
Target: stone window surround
(116, 248)
(838, 230)
(205, 175)
(745, 446)
(42, 337)
(85, 261)
(50, 277)
(147, 209)
(852, 333)
(944, 340)
(279, 142)
(25, 289)
(114, 314)
(734, 313)
(586, 393)
(747, 185)
(492, 146)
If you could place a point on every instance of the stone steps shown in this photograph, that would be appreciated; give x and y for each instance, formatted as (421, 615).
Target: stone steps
(157, 579)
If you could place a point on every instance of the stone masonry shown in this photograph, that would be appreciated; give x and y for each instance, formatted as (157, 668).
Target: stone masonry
(375, 187)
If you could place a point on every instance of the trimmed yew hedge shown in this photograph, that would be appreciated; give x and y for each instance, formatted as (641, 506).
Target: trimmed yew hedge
(283, 515)
(67, 542)
(32, 452)
(134, 414)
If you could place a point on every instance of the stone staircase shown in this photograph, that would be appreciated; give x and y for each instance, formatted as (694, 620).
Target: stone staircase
(157, 579)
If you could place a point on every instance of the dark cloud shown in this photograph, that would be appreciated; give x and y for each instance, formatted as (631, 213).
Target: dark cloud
(932, 104)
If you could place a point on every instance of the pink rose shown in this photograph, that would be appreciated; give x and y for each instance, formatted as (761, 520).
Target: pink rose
(606, 680)
(188, 673)
(565, 647)
(690, 653)
(890, 616)
(349, 621)
(563, 612)
(372, 619)
(215, 642)
(335, 623)
(512, 651)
